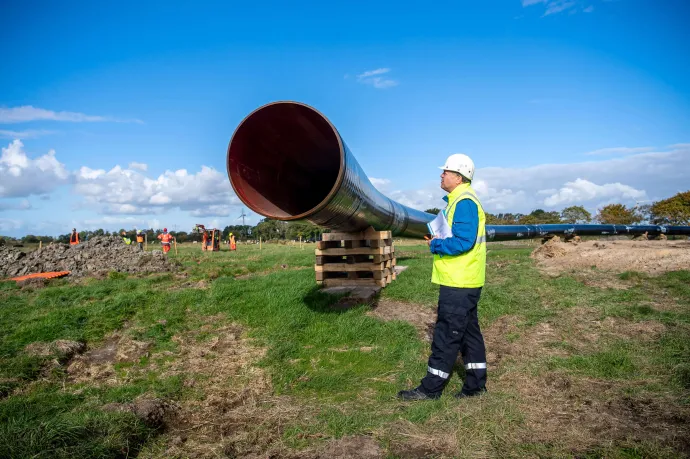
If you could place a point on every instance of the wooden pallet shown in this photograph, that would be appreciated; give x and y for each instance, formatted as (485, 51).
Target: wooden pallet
(353, 259)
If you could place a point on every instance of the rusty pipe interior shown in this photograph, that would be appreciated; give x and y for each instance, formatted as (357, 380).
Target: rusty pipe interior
(285, 160)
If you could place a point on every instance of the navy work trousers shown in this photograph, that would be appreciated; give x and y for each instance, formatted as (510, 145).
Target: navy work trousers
(457, 330)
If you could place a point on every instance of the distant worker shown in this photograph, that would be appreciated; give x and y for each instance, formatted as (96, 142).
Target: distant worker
(74, 237)
(459, 268)
(140, 239)
(166, 238)
(233, 245)
(125, 239)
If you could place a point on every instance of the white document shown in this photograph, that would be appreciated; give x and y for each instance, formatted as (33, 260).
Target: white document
(439, 227)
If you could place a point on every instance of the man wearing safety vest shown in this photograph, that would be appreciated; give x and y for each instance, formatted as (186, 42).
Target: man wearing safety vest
(74, 237)
(459, 268)
(233, 244)
(166, 239)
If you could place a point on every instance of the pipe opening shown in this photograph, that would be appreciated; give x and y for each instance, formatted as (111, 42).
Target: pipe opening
(284, 160)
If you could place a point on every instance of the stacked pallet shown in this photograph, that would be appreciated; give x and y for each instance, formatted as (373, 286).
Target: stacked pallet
(362, 258)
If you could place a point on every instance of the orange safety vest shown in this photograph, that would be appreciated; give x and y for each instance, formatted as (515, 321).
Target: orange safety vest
(74, 239)
(165, 238)
(140, 238)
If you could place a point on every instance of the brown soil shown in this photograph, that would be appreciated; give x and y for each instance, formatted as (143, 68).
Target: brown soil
(420, 316)
(96, 365)
(652, 257)
(153, 411)
(99, 254)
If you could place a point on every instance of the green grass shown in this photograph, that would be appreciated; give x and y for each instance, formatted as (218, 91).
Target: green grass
(346, 366)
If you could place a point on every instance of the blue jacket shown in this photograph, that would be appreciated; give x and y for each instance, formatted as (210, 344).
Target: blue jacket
(465, 225)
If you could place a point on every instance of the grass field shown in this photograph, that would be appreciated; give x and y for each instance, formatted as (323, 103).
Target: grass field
(252, 361)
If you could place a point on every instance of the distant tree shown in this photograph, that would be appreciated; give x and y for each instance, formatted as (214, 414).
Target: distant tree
(575, 214)
(618, 214)
(540, 217)
(672, 211)
(269, 229)
(30, 239)
(433, 210)
(645, 212)
(303, 229)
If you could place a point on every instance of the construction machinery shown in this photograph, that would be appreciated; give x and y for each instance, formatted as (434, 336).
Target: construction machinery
(210, 238)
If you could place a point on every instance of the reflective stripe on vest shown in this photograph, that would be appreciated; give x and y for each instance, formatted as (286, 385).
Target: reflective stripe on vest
(467, 270)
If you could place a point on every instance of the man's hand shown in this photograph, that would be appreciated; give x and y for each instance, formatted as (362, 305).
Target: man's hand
(428, 238)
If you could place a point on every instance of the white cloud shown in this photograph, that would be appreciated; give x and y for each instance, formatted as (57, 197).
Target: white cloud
(581, 191)
(557, 6)
(29, 113)
(138, 166)
(375, 78)
(619, 151)
(28, 134)
(380, 183)
(214, 210)
(21, 176)
(128, 191)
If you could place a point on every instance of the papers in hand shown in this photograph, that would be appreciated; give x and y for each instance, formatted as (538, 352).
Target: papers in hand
(439, 227)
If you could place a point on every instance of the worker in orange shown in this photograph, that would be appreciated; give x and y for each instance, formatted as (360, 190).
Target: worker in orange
(140, 239)
(74, 237)
(166, 238)
(233, 245)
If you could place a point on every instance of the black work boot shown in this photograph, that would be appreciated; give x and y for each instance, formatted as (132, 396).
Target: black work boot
(417, 394)
(471, 394)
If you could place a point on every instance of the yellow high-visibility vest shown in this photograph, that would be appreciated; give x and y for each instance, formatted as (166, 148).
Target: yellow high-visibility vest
(467, 270)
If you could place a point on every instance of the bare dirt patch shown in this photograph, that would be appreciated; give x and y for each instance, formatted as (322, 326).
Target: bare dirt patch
(652, 257)
(152, 411)
(96, 365)
(420, 316)
(578, 413)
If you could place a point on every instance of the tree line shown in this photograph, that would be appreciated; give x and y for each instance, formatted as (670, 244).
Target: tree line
(672, 211)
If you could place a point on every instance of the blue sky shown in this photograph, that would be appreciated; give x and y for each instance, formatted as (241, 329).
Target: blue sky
(119, 115)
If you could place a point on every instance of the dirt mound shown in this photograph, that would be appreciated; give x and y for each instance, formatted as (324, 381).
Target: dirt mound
(652, 257)
(101, 253)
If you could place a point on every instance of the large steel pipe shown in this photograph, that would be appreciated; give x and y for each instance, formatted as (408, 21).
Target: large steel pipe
(286, 161)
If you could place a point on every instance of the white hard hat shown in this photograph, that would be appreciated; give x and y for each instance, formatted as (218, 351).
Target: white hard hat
(462, 164)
